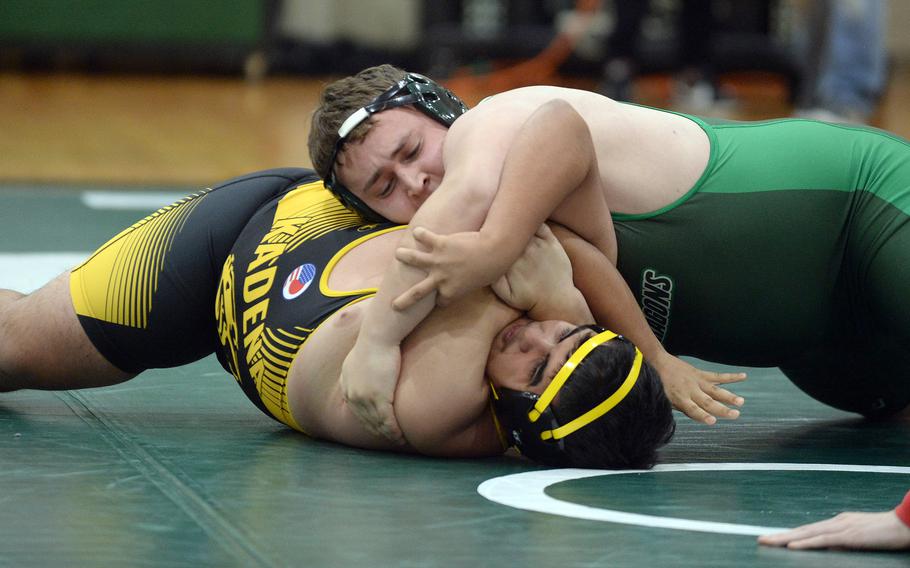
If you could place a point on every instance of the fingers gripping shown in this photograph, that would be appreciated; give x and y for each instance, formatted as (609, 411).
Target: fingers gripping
(421, 258)
(378, 420)
(415, 258)
(415, 293)
(425, 237)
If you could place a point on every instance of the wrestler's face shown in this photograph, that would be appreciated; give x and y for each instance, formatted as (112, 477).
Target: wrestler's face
(397, 165)
(527, 354)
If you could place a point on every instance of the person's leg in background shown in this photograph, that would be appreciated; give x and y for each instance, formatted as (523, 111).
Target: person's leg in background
(622, 49)
(695, 89)
(846, 61)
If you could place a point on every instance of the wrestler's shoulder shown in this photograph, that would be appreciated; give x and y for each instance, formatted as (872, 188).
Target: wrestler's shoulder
(503, 113)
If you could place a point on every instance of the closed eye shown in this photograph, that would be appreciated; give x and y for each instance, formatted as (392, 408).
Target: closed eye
(413, 153)
(387, 189)
(538, 374)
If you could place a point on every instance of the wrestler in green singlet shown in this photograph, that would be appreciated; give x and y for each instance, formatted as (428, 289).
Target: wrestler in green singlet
(776, 259)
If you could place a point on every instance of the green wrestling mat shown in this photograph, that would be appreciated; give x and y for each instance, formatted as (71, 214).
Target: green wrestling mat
(178, 468)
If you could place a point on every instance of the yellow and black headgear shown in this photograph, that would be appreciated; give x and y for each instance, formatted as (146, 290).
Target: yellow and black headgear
(528, 421)
(424, 94)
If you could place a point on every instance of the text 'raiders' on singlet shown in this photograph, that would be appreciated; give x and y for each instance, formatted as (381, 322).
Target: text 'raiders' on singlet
(274, 289)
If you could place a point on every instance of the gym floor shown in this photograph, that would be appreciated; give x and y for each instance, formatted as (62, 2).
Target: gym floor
(177, 468)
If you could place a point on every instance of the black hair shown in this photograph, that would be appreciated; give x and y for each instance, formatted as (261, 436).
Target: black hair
(629, 435)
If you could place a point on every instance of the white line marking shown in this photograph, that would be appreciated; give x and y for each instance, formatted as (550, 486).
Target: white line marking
(527, 491)
(146, 200)
(26, 272)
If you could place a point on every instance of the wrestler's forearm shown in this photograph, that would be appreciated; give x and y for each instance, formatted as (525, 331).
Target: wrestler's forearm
(371, 369)
(623, 314)
(551, 157)
(609, 297)
(567, 304)
(454, 207)
(384, 327)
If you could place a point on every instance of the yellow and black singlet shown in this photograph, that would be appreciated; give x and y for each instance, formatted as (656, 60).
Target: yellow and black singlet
(145, 297)
(258, 248)
(274, 292)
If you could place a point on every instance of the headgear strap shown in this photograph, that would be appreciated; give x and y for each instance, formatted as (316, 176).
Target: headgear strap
(559, 380)
(422, 93)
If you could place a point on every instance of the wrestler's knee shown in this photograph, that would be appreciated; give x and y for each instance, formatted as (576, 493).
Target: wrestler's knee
(9, 363)
(43, 346)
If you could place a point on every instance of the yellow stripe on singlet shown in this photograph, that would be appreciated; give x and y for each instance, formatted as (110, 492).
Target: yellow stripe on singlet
(283, 406)
(324, 279)
(288, 417)
(305, 213)
(118, 282)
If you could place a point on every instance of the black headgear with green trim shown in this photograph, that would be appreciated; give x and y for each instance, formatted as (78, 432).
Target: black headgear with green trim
(424, 94)
(528, 420)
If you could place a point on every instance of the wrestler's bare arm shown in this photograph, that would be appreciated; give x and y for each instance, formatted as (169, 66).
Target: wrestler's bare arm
(442, 400)
(698, 393)
(551, 170)
(480, 164)
(547, 171)
(474, 159)
(371, 370)
(554, 136)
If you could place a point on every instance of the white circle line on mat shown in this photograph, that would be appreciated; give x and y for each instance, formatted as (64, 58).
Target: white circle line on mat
(527, 491)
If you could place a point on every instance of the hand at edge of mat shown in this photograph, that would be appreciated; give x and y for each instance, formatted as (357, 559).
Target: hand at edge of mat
(696, 393)
(858, 531)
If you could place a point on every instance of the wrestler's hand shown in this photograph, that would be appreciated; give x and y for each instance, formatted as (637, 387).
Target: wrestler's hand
(863, 531)
(540, 274)
(695, 392)
(369, 377)
(455, 265)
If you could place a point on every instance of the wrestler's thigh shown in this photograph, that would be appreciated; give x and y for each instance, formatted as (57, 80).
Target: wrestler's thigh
(886, 281)
(43, 346)
(866, 374)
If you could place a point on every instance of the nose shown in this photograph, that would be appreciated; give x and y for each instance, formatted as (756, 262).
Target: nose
(533, 338)
(418, 185)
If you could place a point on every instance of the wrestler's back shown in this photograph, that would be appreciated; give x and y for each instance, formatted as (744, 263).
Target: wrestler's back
(647, 158)
(790, 241)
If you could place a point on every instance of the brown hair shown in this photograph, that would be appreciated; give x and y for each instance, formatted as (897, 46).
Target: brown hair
(338, 101)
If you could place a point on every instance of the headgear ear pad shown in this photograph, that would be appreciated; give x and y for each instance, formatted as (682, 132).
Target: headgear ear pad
(512, 408)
